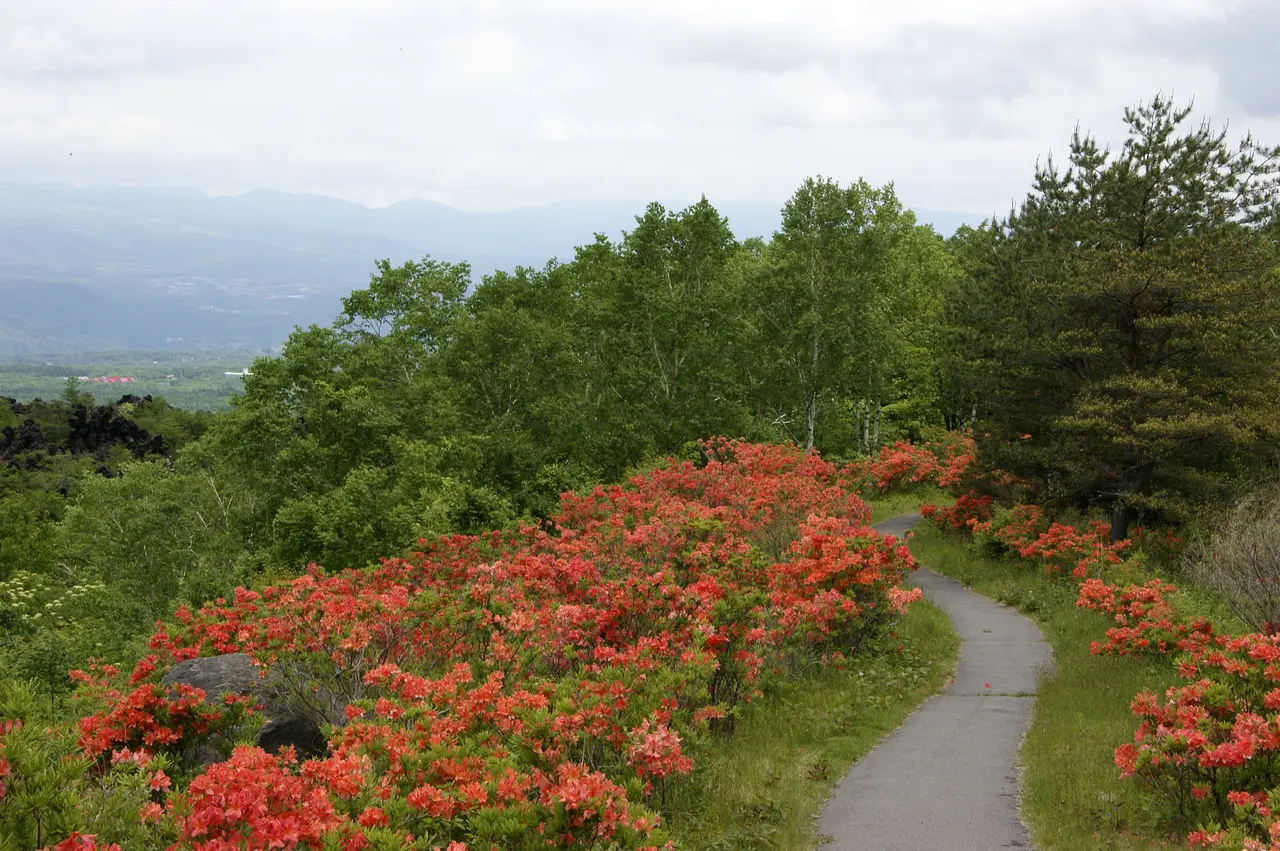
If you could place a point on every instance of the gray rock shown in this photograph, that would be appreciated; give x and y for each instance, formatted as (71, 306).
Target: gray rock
(303, 733)
(232, 673)
(290, 720)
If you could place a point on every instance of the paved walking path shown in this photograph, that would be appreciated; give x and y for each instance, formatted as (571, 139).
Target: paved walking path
(947, 779)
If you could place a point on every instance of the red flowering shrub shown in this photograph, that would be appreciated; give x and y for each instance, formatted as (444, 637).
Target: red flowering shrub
(1218, 735)
(148, 717)
(902, 464)
(1009, 529)
(1084, 552)
(255, 801)
(957, 459)
(965, 513)
(81, 842)
(1146, 619)
(532, 689)
(944, 463)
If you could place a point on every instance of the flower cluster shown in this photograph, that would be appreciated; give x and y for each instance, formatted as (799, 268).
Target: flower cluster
(256, 801)
(149, 717)
(945, 463)
(529, 689)
(965, 513)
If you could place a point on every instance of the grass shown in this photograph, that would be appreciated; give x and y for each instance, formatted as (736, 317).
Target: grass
(892, 505)
(763, 788)
(1073, 797)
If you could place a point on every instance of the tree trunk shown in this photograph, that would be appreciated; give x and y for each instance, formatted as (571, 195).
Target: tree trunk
(811, 409)
(866, 429)
(858, 426)
(876, 440)
(1121, 515)
(811, 418)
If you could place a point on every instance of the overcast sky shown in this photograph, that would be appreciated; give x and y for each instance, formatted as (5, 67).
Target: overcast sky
(491, 104)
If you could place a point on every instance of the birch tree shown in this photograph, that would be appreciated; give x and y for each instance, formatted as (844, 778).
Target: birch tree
(819, 303)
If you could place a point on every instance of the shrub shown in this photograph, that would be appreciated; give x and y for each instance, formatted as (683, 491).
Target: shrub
(51, 798)
(527, 689)
(1009, 529)
(1242, 559)
(962, 515)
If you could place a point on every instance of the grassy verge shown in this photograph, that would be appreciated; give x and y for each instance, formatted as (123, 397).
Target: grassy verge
(1073, 797)
(891, 505)
(762, 788)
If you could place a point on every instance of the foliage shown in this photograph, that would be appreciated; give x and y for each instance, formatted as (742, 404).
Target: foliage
(1120, 320)
(1241, 559)
(531, 686)
(46, 627)
(91, 517)
(48, 793)
(843, 296)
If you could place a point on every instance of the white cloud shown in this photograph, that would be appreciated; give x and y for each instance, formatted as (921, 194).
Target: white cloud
(506, 102)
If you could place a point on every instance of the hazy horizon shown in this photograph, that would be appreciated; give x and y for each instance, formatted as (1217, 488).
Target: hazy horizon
(135, 267)
(568, 200)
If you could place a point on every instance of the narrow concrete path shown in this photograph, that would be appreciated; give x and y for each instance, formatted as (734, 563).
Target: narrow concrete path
(947, 779)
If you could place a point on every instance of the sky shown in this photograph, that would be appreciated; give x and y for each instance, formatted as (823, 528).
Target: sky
(494, 104)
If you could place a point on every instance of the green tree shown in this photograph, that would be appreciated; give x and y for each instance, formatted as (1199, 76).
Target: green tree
(73, 394)
(663, 323)
(151, 536)
(342, 447)
(905, 386)
(972, 303)
(826, 297)
(517, 365)
(1124, 318)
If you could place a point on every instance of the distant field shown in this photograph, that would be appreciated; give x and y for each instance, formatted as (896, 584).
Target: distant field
(195, 381)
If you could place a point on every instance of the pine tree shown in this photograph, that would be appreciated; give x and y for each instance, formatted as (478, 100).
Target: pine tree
(1126, 318)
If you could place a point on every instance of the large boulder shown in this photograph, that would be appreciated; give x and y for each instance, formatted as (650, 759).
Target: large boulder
(291, 720)
(232, 673)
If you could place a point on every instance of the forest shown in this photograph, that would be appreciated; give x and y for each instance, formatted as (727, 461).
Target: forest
(462, 457)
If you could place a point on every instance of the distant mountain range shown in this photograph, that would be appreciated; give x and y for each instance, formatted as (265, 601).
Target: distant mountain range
(91, 269)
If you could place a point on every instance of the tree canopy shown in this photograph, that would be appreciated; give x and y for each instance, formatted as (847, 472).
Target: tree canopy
(1120, 325)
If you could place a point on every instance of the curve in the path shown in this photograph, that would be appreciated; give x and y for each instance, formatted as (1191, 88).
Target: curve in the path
(947, 779)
